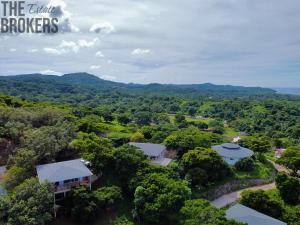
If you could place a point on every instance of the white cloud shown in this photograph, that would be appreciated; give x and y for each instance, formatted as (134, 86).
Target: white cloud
(95, 67)
(63, 15)
(108, 77)
(51, 72)
(34, 50)
(71, 46)
(102, 27)
(52, 51)
(12, 50)
(139, 51)
(99, 54)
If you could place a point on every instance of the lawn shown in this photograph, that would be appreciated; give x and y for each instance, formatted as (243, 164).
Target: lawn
(270, 155)
(191, 119)
(229, 134)
(261, 171)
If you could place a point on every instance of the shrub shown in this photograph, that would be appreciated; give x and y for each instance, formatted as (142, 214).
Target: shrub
(246, 164)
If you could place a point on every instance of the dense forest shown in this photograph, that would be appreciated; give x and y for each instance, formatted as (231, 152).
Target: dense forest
(46, 119)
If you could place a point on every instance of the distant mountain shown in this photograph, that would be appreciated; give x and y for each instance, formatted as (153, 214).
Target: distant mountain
(83, 85)
(291, 91)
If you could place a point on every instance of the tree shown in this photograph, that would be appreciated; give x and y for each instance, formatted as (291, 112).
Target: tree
(257, 144)
(30, 204)
(200, 211)
(48, 141)
(291, 158)
(204, 166)
(260, 201)
(179, 118)
(127, 160)
(190, 138)
(124, 118)
(137, 137)
(143, 118)
(95, 149)
(92, 123)
(158, 199)
(82, 204)
(246, 164)
(289, 188)
(107, 196)
(122, 221)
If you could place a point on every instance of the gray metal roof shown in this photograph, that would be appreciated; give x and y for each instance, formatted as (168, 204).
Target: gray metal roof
(149, 149)
(232, 150)
(60, 171)
(250, 216)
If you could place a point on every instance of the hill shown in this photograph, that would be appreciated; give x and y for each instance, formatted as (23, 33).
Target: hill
(81, 86)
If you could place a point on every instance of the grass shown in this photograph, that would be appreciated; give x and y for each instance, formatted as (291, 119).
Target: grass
(191, 119)
(261, 171)
(270, 155)
(229, 134)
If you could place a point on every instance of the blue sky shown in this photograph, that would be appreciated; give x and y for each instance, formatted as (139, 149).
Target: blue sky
(239, 42)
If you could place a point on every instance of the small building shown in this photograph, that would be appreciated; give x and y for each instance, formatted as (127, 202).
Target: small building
(241, 213)
(65, 175)
(232, 153)
(236, 139)
(155, 152)
(278, 152)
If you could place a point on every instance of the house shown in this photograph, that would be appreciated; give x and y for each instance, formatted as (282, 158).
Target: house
(236, 139)
(278, 152)
(65, 175)
(155, 152)
(241, 213)
(232, 153)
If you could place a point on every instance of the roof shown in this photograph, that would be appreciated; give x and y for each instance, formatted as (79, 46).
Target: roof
(232, 150)
(149, 149)
(250, 216)
(60, 171)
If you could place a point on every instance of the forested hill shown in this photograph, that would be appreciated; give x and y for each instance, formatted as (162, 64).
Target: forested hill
(35, 85)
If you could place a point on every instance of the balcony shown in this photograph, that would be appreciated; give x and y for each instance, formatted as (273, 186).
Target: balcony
(68, 186)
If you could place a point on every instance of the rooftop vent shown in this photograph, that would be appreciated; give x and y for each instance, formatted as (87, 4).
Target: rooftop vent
(231, 146)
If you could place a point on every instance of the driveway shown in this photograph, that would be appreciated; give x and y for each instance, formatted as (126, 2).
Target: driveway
(234, 196)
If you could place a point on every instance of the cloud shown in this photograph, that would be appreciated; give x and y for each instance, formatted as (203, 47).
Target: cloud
(12, 50)
(139, 51)
(95, 67)
(63, 15)
(34, 50)
(52, 51)
(71, 46)
(102, 27)
(50, 72)
(108, 77)
(99, 54)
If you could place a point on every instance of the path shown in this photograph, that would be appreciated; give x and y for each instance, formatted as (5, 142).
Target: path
(234, 196)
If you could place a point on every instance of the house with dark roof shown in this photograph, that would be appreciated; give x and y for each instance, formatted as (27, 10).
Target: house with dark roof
(155, 152)
(65, 175)
(241, 213)
(232, 153)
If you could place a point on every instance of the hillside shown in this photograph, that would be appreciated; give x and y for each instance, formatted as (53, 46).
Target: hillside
(50, 87)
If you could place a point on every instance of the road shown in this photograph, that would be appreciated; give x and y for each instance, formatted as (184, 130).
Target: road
(234, 196)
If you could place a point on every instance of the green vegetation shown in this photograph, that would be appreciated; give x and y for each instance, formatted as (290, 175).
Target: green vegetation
(73, 116)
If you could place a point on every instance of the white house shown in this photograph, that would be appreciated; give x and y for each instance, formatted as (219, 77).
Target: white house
(155, 152)
(65, 175)
(232, 153)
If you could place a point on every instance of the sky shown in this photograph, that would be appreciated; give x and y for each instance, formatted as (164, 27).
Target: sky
(237, 42)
